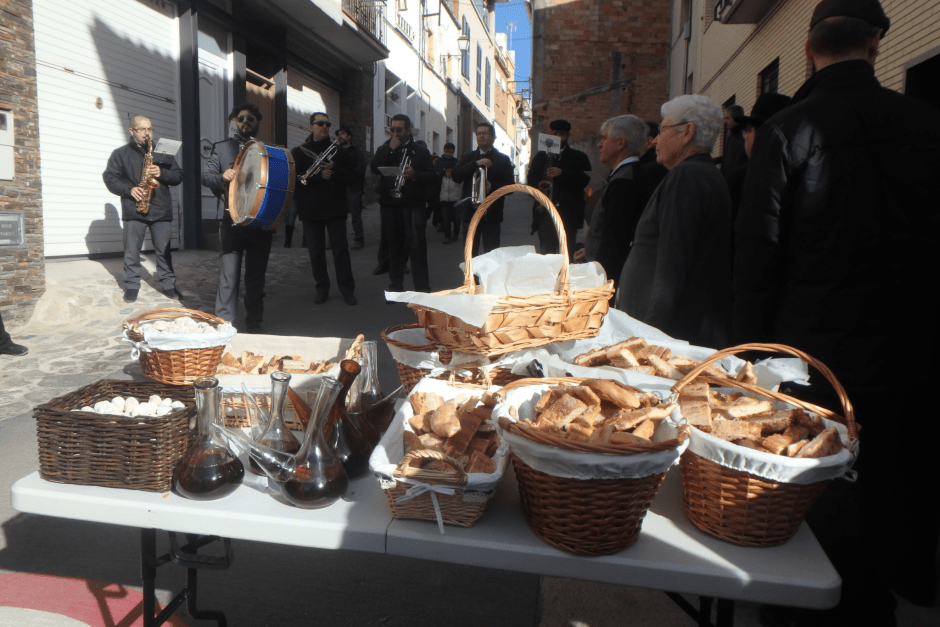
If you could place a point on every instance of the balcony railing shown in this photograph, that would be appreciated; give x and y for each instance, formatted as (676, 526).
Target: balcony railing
(402, 24)
(369, 15)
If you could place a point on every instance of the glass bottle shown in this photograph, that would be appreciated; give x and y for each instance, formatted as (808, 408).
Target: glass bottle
(349, 443)
(366, 393)
(276, 435)
(208, 470)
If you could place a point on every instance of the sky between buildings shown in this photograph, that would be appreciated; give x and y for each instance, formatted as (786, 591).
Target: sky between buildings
(513, 12)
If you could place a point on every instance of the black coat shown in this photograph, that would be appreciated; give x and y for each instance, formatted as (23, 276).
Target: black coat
(734, 154)
(414, 190)
(122, 174)
(500, 174)
(222, 158)
(678, 275)
(322, 199)
(835, 242)
(567, 193)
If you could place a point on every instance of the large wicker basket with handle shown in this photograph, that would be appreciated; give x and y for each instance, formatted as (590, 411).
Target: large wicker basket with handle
(519, 322)
(176, 367)
(738, 506)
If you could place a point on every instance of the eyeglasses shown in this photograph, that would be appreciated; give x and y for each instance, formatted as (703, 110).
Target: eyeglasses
(673, 125)
(143, 130)
(322, 123)
(484, 133)
(397, 129)
(246, 118)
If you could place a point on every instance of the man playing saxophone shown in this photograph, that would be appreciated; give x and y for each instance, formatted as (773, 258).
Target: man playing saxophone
(124, 176)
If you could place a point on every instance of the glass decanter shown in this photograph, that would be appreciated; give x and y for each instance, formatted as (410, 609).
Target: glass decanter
(365, 402)
(350, 444)
(276, 435)
(208, 470)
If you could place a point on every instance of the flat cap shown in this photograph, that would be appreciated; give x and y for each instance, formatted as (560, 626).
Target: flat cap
(346, 130)
(767, 105)
(868, 10)
(560, 125)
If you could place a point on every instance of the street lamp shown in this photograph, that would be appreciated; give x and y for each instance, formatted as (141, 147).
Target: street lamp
(463, 42)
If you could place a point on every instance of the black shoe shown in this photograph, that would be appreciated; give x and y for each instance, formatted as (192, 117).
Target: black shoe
(130, 296)
(288, 235)
(357, 246)
(380, 270)
(255, 328)
(395, 288)
(16, 350)
(173, 294)
(350, 299)
(320, 298)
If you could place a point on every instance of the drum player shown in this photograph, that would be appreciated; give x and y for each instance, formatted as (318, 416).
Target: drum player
(237, 241)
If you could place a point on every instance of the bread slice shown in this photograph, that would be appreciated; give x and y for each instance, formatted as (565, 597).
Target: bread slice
(425, 401)
(746, 374)
(823, 445)
(613, 392)
(772, 421)
(697, 414)
(747, 406)
(561, 412)
(735, 427)
(646, 429)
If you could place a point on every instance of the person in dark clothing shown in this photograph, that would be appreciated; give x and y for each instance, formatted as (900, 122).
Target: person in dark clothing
(568, 177)
(835, 255)
(450, 193)
(733, 155)
(354, 187)
(122, 177)
(614, 219)
(7, 346)
(766, 106)
(321, 206)
(499, 172)
(433, 193)
(403, 206)
(678, 275)
(237, 241)
(654, 170)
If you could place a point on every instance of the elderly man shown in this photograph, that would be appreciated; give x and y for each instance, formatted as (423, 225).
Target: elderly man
(614, 220)
(835, 255)
(678, 275)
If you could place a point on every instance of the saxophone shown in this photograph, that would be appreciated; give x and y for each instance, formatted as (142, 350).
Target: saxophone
(147, 182)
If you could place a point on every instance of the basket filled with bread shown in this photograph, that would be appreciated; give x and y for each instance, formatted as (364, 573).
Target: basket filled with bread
(176, 346)
(758, 459)
(440, 459)
(589, 456)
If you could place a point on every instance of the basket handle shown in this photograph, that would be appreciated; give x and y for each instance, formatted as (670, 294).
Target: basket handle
(776, 348)
(519, 383)
(444, 354)
(468, 280)
(168, 312)
(404, 468)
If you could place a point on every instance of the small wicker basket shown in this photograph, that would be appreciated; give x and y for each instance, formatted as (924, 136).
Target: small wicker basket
(519, 322)
(176, 367)
(87, 448)
(410, 375)
(740, 507)
(587, 517)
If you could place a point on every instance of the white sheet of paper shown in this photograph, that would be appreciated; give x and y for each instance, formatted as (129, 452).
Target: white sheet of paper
(168, 146)
(549, 143)
(389, 170)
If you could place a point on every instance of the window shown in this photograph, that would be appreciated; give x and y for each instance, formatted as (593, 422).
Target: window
(465, 54)
(486, 98)
(479, 70)
(769, 76)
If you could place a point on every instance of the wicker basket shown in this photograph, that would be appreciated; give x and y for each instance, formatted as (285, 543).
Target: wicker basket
(462, 508)
(740, 507)
(176, 367)
(410, 375)
(587, 517)
(519, 322)
(234, 413)
(114, 451)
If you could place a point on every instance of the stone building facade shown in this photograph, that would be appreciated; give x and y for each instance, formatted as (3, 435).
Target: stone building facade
(22, 267)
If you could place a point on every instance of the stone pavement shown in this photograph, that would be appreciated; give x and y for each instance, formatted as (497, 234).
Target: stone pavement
(74, 340)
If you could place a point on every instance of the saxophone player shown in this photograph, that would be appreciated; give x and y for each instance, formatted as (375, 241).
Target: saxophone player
(124, 176)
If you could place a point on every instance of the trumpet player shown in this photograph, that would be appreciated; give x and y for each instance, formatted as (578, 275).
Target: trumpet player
(567, 179)
(402, 202)
(124, 176)
(322, 208)
(499, 171)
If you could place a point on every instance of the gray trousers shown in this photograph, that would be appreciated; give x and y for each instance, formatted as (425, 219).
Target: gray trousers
(254, 245)
(135, 232)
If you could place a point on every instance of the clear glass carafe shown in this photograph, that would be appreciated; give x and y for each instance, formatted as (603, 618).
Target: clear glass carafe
(350, 444)
(208, 470)
(276, 435)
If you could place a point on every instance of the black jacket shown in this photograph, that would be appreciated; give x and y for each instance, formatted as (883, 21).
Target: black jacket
(734, 155)
(414, 189)
(835, 242)
(122, 174)
(222, 159)
(322, 199)
(567, 191)
(359, 167)
(654, 170)
(678, 275)
(500, 174)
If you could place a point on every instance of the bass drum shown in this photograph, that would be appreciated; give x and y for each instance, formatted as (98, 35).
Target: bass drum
(263, 186)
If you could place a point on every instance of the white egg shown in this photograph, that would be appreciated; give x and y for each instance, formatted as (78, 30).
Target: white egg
(166, 402)
(177, 404)
(118, 403)
(130, 402)
(163, 410)
(87, 408)
(154, 399)
(104, 407)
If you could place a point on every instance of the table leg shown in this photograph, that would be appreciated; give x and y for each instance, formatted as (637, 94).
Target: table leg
(703, 615)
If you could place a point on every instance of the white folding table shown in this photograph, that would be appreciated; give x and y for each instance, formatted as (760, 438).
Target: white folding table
(670, 554)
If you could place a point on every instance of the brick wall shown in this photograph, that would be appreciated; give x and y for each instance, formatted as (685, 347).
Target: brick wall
(596, 59)
(22, 269)
(355, 108)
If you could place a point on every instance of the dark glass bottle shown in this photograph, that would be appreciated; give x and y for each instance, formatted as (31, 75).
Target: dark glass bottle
(276, 435)
(208, 470)
(349, 443)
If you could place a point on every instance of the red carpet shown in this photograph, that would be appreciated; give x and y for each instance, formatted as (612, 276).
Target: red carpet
(94, 603)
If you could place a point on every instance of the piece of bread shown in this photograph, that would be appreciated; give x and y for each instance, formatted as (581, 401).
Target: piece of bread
(643, 370)
(425, 401)
(444, 420)
(585, 395)
(746, 406)
(432, 441)
(772, 421)
(421, 423)
(823, 445)
(481, 463)
(591, 358)
(411, 442)
(646, 429)
(776, 444)
(663, 369)
(229, 360)
(793, 449)
(469, 423)
(613, 392)
(625, 357)
(697, 414)
(561, 412)
(746, 374)
(580, 428)
(625, 437)
(721, 426)
(601, 435)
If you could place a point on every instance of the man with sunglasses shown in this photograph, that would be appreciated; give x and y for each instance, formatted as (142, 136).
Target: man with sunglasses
(236, 241)
(403, 209)
(122, 178)
(321, 206)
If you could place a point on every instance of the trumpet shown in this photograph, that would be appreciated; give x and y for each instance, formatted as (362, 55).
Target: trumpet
(545, 185)
(317, 165)
(400, 179)
(147, 182)
(478, 193)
